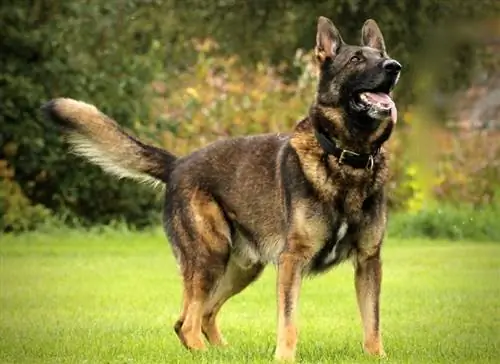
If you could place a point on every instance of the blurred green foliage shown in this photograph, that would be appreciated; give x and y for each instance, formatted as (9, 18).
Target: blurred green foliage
(184, 73)
(447, 221)
(80, 50)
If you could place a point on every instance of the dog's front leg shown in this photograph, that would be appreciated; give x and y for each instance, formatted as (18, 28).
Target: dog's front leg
(368, 278)
(290, 268)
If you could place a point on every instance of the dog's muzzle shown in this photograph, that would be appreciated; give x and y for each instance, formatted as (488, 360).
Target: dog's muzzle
(378, 102)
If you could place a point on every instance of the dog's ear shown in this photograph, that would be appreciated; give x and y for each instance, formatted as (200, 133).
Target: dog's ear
(328, 40)
(371, 36)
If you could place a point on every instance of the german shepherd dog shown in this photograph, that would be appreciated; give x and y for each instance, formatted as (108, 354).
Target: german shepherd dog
(305, 201)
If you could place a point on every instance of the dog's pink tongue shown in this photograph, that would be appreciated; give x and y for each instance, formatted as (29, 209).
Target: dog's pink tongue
(383, 100)
(394, 114)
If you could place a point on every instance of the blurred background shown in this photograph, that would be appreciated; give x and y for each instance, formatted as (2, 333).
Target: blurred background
(183, 73)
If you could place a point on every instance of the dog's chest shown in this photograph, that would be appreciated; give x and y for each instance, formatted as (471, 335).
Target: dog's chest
(334, 249)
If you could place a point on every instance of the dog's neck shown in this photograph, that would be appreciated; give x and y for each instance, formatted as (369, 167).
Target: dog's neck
(333, 124)
(345, 156)
(370, 174)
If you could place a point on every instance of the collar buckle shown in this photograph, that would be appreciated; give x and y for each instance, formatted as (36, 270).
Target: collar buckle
(346, 153)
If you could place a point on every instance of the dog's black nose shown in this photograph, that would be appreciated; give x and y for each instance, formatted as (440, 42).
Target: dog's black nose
(391, 66)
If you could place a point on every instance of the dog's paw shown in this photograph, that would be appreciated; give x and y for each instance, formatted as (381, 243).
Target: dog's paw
(375, 349)
(189, 340)
(217, 340)
(284, 355)
(214, 336)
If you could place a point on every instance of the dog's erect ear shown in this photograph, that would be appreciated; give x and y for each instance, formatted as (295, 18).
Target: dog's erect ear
(328, 40)
(371, 36)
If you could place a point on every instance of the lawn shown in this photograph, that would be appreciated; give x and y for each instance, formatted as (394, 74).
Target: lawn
(113, 298)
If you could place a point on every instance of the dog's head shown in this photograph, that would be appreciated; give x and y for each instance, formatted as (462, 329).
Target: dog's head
(356, 79)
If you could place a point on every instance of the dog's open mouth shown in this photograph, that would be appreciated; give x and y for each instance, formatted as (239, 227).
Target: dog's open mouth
(379, 100)
(378, 103)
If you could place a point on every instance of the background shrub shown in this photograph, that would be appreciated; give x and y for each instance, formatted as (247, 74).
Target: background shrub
(52, 49)
(150, 65)
(449, 222)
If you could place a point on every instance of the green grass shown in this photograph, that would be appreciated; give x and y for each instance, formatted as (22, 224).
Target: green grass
(113, 298)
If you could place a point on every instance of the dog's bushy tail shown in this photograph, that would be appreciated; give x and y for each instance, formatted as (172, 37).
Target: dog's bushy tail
(100, 139)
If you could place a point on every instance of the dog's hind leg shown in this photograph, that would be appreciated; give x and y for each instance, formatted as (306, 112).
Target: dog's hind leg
(200, 237)
(235, 280)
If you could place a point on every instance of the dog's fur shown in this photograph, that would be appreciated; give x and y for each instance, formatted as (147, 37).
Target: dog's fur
(238, 204)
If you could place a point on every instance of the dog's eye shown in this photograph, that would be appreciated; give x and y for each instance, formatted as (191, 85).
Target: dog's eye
(355, 59)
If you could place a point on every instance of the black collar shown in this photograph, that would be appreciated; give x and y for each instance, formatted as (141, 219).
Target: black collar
(344, 156)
